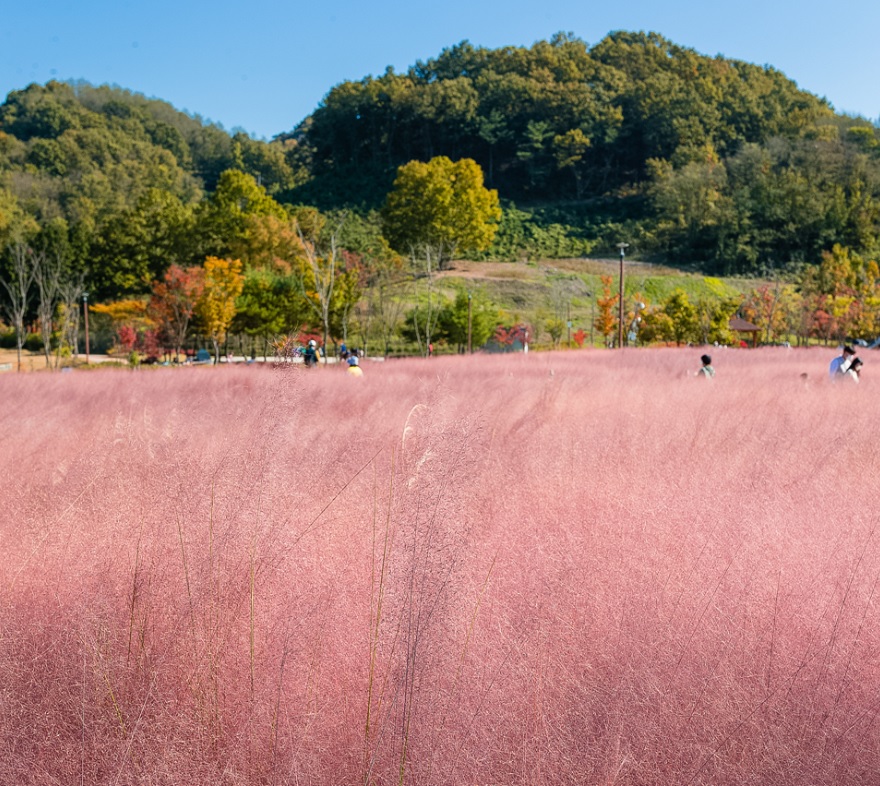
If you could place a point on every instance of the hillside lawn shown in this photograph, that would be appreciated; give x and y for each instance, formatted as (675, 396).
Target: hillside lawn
(533, 291)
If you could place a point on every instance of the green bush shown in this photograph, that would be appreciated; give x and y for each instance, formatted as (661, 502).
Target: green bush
(7, 338)
(33, 342)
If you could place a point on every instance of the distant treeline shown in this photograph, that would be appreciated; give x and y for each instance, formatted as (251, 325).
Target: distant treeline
(706, 163)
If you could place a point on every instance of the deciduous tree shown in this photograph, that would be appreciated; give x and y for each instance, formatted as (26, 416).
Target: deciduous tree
(471, 315)
(223, 283)
(322, 267)
(383, 306)
(18, 283)
(174, 301)
(442, 206)
(683, 317)
(606, 319)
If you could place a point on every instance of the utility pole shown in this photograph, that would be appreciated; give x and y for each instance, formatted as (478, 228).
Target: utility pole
(86, 317)
(592, 316)
(622, 247)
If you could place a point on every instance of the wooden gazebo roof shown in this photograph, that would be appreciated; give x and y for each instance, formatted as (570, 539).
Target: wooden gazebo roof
(739, 325)
(743, 326)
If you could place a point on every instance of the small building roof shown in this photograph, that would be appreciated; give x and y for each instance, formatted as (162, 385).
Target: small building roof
(743, 326)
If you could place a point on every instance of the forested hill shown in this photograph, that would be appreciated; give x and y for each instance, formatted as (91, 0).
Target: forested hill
(694, 160)
(119, 185)
(559, 120)
(697, 161)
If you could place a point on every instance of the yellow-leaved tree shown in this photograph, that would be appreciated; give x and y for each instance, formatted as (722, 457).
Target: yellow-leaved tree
(605, 321)
(223, 283)
(441, 206)
(435, 210)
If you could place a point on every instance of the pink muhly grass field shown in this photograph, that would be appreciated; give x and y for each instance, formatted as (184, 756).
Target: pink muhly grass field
(564, 568)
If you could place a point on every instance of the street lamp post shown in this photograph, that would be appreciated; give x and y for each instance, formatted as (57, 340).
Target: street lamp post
(636, 321)
(622, 247)
(86, 317)
(469, 324)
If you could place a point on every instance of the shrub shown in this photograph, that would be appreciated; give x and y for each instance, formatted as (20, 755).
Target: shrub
(7, 338)
(33, 342)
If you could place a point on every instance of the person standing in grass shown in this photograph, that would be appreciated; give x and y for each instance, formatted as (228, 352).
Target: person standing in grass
(854, 370)
(840, 365)
(311, 356)
(706, 369)
(354, 368)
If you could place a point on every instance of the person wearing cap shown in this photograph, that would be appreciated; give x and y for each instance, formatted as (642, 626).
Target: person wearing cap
(311, 356)
(840, 365)
(706, 369)
(354, 368)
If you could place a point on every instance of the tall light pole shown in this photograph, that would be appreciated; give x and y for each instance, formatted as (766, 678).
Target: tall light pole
(86, 316)
(634, 325)
(622, 247)
(469, 349)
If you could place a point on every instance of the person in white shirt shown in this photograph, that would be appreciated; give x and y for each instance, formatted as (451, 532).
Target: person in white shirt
(840, 364)
(854, 369)
(706, 369)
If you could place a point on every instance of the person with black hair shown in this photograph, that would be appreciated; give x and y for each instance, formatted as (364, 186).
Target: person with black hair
(840, 365)
(706, 369)
(854, 370)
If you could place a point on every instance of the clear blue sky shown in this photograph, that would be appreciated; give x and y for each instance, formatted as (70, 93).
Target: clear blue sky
(265, 65)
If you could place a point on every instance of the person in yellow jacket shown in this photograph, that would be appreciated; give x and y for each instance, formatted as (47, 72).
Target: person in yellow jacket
(354, 368)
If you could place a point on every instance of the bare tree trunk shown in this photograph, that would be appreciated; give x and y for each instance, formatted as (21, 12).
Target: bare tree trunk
(385, 311)
(48, 277)
(70, 293)
(323, 267)
(430, 258)
(18, 290)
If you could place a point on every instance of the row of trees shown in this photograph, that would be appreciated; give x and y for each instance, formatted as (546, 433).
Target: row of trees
(705, 162)
(291, 269)
(269, 311)
(834, 301)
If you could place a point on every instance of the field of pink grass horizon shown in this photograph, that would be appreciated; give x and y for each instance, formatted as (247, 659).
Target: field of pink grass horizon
(555, 568)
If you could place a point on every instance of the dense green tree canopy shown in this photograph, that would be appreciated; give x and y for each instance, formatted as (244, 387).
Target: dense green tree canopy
(532, 117)
(698, 161)
(441, 204)
(128, 176)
